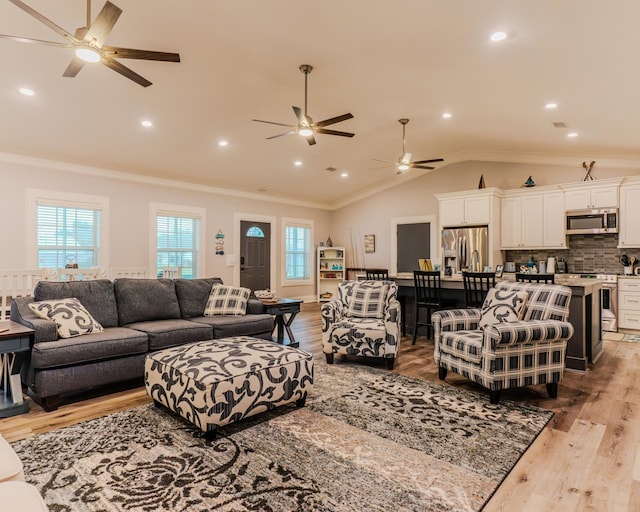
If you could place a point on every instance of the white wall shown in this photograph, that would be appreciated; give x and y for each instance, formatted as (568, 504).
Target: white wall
(416, 198)
(129, 215)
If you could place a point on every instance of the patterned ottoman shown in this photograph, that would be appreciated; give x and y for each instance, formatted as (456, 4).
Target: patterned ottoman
(213, 383)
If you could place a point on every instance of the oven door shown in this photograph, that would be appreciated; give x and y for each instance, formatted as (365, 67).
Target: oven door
(609, 307)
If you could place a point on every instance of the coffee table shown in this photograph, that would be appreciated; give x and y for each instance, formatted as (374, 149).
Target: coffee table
(280, 308)
(15, 342)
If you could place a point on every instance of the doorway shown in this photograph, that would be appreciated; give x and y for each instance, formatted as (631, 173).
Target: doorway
(255, 255)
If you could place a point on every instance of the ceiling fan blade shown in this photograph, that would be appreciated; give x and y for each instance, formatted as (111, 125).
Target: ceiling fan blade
(35, 41)
(282, 134)
(103, 24)
(125, 71)
(130, 53)
(311, 140)
(386, 161)
(405, 159)
(271, 122)
(413, 166)
(382, 167)
(334, 132)
(429, 161)
(302, 120)
(44, 20)
(334, 120)
(74, 67)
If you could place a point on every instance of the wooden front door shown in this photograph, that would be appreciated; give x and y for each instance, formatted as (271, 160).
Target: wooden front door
(255, 255)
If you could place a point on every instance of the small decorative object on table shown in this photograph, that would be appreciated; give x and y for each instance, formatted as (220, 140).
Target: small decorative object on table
(499, 270)
(265, 294)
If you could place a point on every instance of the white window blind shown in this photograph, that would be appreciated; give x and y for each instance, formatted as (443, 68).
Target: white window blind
(68, 235)
(298, 252)
(178, 243)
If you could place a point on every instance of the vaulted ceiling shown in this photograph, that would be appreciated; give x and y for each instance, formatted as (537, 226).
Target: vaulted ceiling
(379, 60)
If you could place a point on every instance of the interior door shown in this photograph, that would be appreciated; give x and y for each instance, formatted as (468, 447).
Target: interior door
(255, 251)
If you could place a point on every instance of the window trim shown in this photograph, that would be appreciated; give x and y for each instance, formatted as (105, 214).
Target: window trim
(175, 210)
(303, 223)
(433, 238)
(70, 200)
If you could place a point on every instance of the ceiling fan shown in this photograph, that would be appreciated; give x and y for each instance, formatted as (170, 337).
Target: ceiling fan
(88, 43)
(404, 163)
(306, 127)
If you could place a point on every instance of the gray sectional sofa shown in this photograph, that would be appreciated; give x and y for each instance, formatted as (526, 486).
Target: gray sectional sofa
(138, 316)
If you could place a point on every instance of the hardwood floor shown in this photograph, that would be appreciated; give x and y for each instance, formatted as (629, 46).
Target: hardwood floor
(587, 458)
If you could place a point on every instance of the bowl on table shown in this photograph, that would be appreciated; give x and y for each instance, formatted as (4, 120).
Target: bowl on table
(265, 294)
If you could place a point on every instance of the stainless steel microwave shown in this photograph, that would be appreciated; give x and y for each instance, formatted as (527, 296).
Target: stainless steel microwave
(592, 221)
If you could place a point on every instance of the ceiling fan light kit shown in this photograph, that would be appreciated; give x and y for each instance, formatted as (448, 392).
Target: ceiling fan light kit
(306, 127)
(88, 43)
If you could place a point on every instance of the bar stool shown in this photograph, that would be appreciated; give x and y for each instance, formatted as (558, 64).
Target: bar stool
(428, 295)
(476, 286)
(377, 274)
(535, 278)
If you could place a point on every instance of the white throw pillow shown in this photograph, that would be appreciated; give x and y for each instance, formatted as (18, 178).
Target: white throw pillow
(71, 317)
(227, 300)
(502, 306)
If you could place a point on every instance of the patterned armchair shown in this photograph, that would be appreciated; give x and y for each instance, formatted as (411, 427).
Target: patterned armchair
(363, 321)
(510, 352)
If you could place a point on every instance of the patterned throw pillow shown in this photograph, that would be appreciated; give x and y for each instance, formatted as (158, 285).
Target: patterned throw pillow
(71, 317)
(502, 306)
(368, 302)
(227, 300)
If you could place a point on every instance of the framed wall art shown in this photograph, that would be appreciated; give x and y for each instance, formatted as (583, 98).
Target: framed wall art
(369, 243)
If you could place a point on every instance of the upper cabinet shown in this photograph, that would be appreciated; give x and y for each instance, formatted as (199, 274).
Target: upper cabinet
(629, 234)
(591, 194)
(532, 220)
(466, 208)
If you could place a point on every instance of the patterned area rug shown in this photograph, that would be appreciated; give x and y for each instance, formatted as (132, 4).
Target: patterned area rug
(367, 440)
(633, 338)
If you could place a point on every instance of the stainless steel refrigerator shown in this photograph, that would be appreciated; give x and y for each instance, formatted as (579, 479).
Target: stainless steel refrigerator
(465, 249)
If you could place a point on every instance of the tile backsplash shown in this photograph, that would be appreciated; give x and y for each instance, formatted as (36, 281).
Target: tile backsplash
(587, 253)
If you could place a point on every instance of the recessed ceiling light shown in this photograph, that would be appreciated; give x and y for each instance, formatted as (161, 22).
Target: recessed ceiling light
(26, 92)
(222, 143)
(498, 36)
(446, 115)
(344, 174)
(572, 134)
(146, 123)
(551, 106)
(297, 163)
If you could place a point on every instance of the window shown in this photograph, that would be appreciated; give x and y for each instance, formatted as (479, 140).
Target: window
(255, 232)
(178, 239)
(68, 236)
(298, 261)
(64, 228)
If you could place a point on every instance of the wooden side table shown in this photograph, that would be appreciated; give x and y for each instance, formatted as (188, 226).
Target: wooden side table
(15, 343)
(280, 308)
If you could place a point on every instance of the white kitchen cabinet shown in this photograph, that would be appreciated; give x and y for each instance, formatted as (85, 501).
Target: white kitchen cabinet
(629, 303)
(533, 220)
(467, 210)
(591, 197)
(331, 272)
(629, 222)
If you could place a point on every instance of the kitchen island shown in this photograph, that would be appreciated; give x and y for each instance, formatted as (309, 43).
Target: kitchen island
(583, 348)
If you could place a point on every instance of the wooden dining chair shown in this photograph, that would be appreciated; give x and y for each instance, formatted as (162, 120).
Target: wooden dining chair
(476, 286)
(523, 277)
(377, 274)
(428, 296)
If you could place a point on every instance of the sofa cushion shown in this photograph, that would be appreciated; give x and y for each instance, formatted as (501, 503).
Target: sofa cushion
(97, 297)
(465, 345)
(193, 295)
(259, 326)
(109, 344)
(173, 332)
(227, 300)
(70, 317)
(143, 300)
(502, 306)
